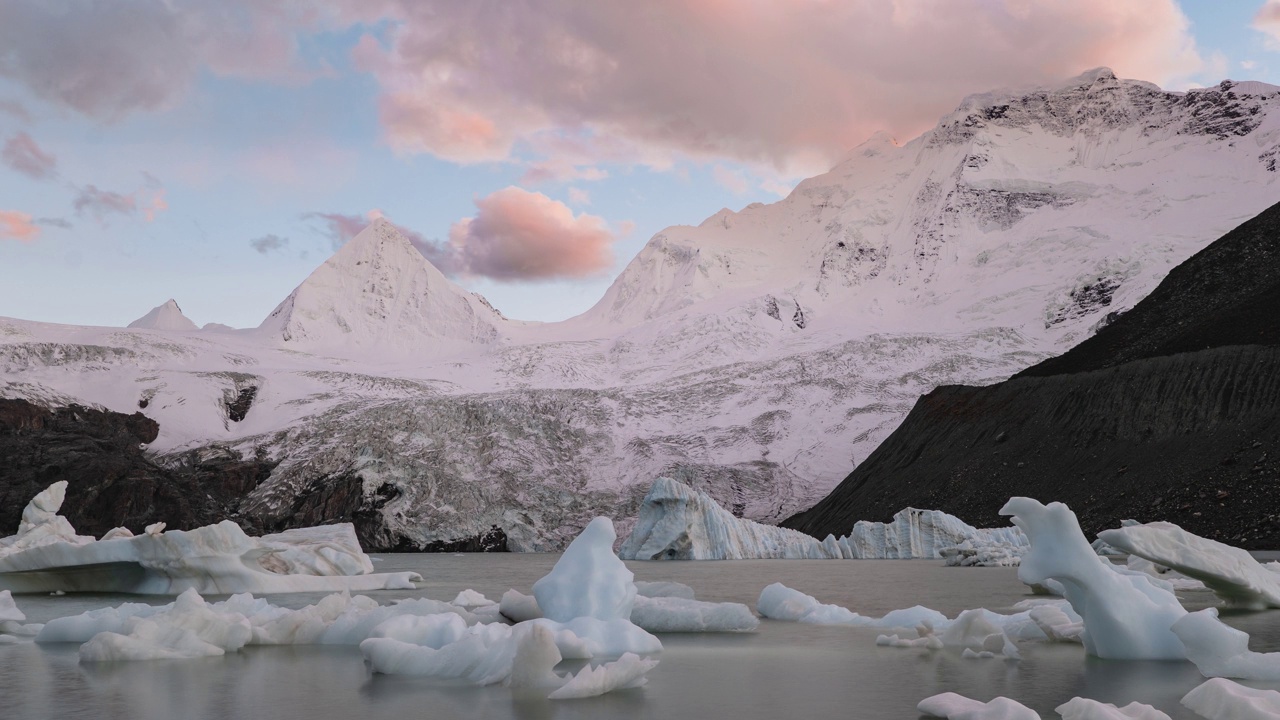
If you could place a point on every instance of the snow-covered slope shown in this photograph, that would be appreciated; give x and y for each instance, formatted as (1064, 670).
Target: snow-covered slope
(756, 357)
(164, 317)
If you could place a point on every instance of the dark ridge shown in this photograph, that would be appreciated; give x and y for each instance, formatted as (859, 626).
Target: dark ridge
(1171, 412)
(237, 409)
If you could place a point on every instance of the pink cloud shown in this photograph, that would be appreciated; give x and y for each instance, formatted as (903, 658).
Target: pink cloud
(515, 235)
(24, 155)
(521, 235)
(730, 180)
(579, 197)
(792, 85)
(18, 226)
(1267, 20)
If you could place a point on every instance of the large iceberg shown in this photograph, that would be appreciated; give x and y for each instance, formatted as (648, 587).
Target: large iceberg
(1126, 615)
(677, 522)
(1230, 572)
(48, 556)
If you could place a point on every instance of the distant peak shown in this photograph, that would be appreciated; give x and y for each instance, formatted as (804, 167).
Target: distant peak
(166, 316)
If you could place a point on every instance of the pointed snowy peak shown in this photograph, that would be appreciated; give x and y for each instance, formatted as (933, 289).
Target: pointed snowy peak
(164, 317)
(379, 292)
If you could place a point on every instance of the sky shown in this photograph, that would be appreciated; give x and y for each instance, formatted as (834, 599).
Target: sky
(217, 151)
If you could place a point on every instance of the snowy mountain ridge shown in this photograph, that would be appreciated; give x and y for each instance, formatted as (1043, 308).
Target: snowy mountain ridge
(756, 357)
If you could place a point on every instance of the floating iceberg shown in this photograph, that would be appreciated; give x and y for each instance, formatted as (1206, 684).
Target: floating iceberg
(1229, 572)
(677, 522)
(1219, 699)
(47, 556)
(958, 707)
(917, 533)
(681, 615)
(338, 619)
(1126, 614)
(1079, 708)
(977, 633)
(12, 628)
(189, 628)
(1219, 650)
(582, 608)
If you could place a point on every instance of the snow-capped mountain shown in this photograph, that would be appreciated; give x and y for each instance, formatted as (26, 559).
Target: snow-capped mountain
(757, 357)
(379, 292)
(164, 317)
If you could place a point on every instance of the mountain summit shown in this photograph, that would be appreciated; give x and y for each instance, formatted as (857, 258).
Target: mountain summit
(164, 317)
(379, 291)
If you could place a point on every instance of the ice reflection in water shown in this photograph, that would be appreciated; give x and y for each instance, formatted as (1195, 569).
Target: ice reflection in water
(783, 671)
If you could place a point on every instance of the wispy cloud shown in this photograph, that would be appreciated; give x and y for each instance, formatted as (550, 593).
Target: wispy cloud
(268, 243)
(22, 154)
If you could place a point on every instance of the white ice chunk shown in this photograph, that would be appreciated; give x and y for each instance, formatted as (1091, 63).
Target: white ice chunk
(1219, 650)
(664, 589)
(675, 614)
(1126, 616)
(958, 707)
(1229, 572)
(1079, 708)
(9, 609)
(471, 599)
(626, 672)
(779, 602)
(1220, 699)
(588, 580)
(338, 619)
(518, 607)
(533, 664)
(188, 628)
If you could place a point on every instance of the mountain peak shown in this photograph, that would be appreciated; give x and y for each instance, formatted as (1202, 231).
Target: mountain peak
(167, 316)
(378, 290)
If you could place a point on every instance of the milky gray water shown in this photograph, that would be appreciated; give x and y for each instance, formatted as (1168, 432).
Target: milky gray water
(785, 670)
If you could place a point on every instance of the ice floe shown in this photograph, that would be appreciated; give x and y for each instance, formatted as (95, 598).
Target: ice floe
(1219, 699)
(48, 556)
(958, 707)
(681, 615)
(1079, 708)
(1229, 572)
(1126, 615)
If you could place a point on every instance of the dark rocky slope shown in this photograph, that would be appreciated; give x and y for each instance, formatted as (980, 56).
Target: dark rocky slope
(1170, 412)
(112, 481)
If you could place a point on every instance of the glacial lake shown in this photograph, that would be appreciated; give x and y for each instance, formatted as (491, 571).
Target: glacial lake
(784, 670)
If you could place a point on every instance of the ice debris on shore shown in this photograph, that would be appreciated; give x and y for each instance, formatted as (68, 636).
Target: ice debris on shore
(1127, 615)
(1230, 572)
(46, 555)
(676, 522)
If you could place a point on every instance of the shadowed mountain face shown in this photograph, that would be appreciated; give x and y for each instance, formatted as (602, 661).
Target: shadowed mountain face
(1170, 412)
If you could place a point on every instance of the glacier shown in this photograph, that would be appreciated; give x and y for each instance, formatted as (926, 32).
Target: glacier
(757, 356)
(677, 522)
(48, 556)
